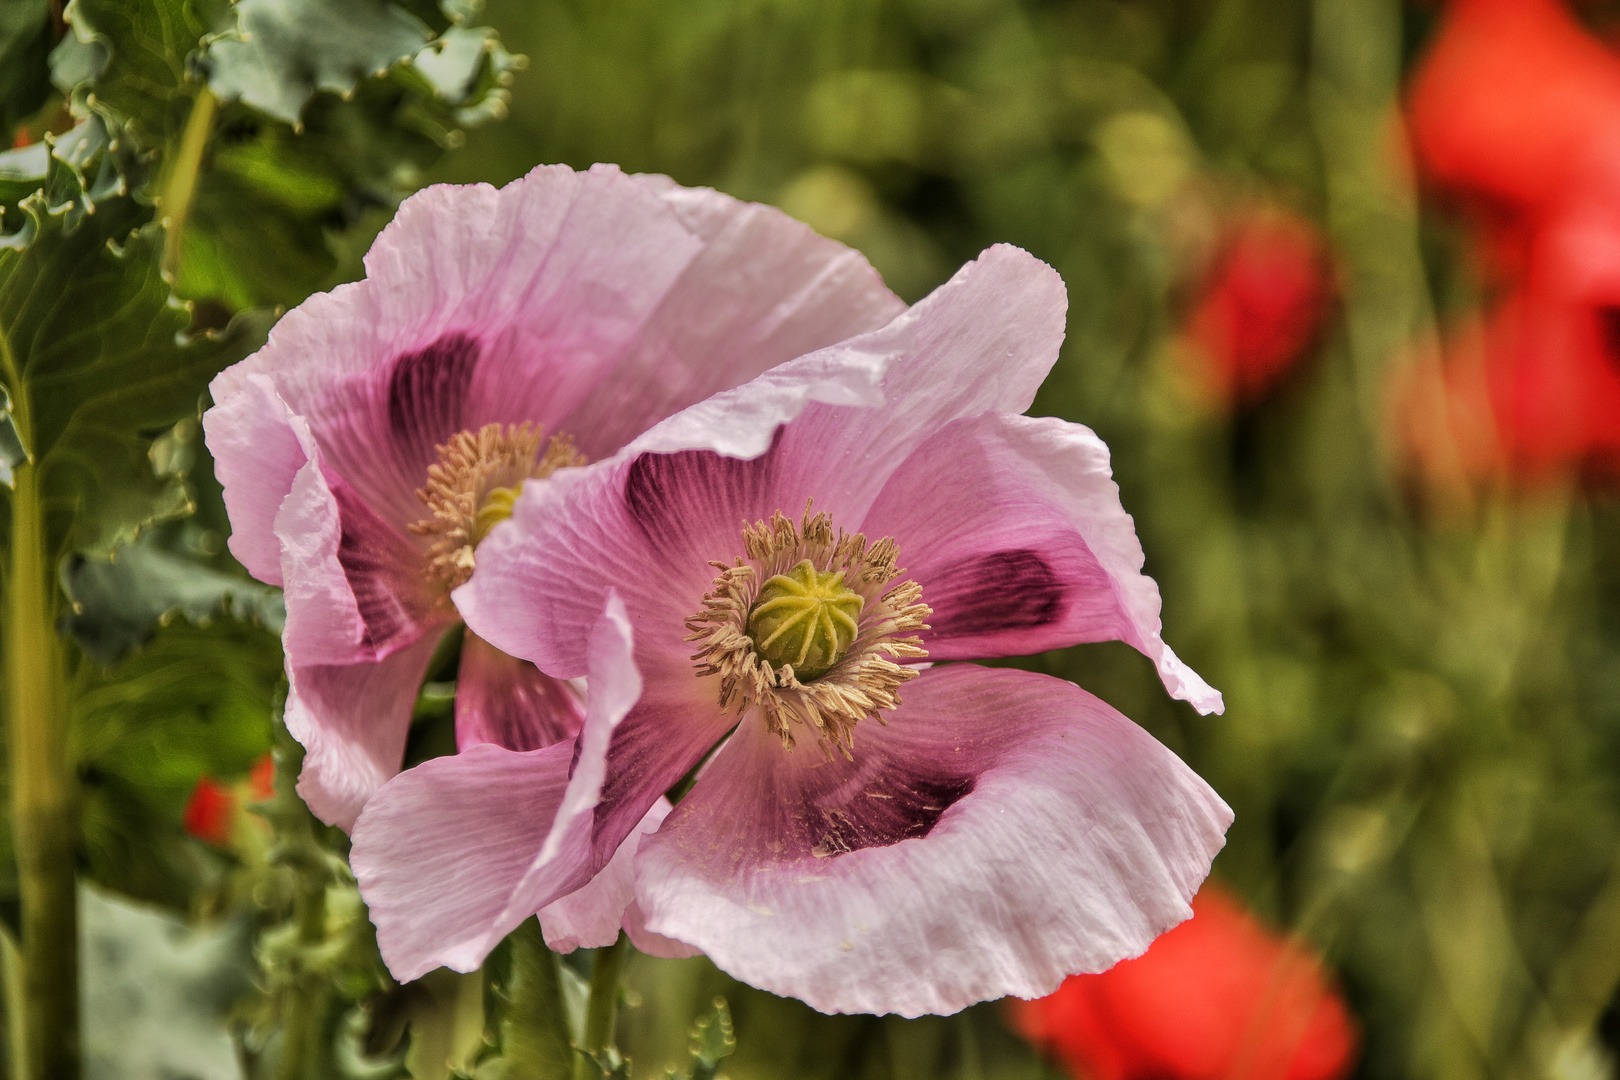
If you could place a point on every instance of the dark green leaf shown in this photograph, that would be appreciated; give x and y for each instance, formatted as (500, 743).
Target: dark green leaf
(144, 80)
(283, 51)
(118, 603)
(72, 171)
(12, 451)
(92, 357)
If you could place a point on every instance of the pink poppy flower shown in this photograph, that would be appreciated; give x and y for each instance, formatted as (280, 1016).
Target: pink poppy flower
(869, 836)
(387, 425)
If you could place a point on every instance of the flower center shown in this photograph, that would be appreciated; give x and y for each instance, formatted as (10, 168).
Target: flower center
(805, 617)
(473, 486)
(808, 628)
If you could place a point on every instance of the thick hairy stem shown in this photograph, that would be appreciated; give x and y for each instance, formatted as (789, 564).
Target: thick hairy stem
(604, 1004)
(303, 1048)
(43, 807)
(525, 990)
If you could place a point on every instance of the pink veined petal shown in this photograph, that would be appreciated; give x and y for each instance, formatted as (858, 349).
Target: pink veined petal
(594, 303)
(645, 941)
(763, 290)
(591, 916)
(1003, 831)
(354, 585)
(649, 521)
(542, 575)
(385, 571)
(256, 456)
(352, 720)
(323, 619)
(646, 526)
(439, 849)
(983, 341)
(452, 855)
(503, 700)
(1014, 528)
(479, 306)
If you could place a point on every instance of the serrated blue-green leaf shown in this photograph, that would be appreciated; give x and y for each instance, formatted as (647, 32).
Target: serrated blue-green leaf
(93, 358)
(118, 603)
(148, 42)
(286, 50)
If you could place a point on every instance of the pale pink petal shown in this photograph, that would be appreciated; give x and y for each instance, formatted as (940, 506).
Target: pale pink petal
(594, 303)
(354, 584)
(323, 620)
(648, 523)
(645, 941)
(439, 850)
(510, 702)
(673, 726)
(981, 342)
(478, 306)
(352, 720)
(743, 421)
(763, 290)
(1014, 528)
(644, 527)
(256, 455)
(1003, 831)
(452, 855)
(591, 917)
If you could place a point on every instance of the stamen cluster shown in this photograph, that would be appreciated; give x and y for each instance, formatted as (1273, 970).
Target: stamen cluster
(863, 682)
(472, 487)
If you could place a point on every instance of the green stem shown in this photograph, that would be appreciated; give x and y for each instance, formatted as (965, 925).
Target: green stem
(302, 1050)
(604, 1004)
(524, 991)
(181, 184)
(43, 808)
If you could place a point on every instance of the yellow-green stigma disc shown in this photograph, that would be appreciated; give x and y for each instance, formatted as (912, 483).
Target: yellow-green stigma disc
(806, 618)
(496, 508)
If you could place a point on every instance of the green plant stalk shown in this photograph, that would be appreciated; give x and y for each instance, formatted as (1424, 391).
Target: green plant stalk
(523, 989)
(302, 1048)
(43, 806)
(603, 1008)
(181, 184)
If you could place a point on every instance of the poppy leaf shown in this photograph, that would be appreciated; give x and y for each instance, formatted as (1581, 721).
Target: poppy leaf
(93, 359)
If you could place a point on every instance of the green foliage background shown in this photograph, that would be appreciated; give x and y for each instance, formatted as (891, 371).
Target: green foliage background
(1423, 695)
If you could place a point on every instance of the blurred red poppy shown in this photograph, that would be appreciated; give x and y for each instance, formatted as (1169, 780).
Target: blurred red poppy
(1262, 304)
(1218, 998)
(1533, 393)
(1514, 108)
(210, 813)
